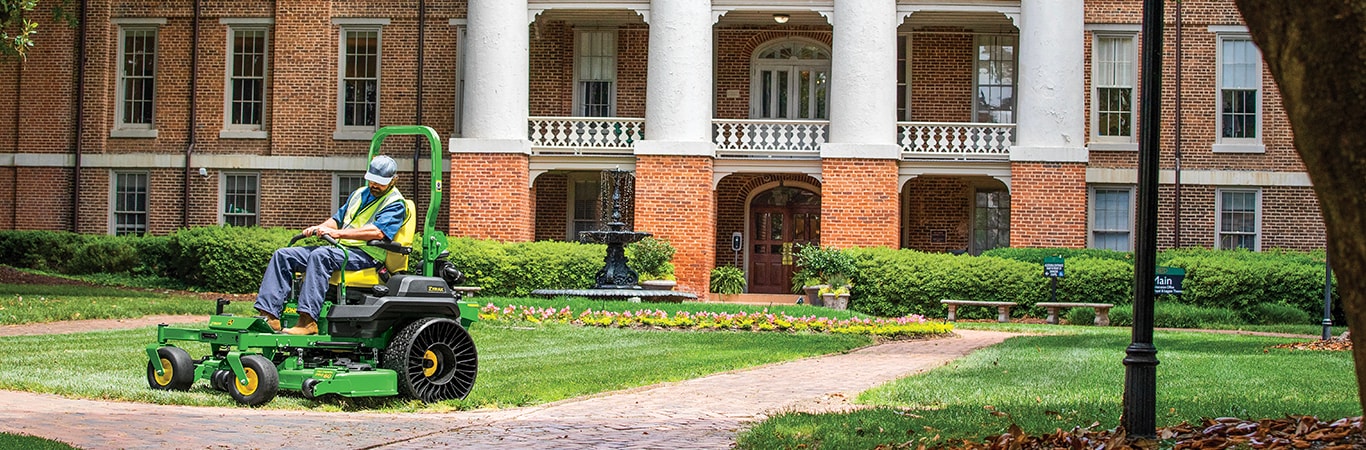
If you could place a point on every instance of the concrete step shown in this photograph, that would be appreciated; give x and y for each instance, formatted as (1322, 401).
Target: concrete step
(755, 299)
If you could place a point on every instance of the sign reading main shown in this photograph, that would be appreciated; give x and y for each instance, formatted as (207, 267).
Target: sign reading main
(1168, 280)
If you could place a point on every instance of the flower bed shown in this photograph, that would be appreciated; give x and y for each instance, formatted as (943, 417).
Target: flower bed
(910, 326)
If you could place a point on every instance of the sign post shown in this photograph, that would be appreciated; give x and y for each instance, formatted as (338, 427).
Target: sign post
(1053, 268)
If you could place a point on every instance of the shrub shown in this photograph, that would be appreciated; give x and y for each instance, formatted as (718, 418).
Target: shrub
(821, 264)
(42, 250)
(104, 254)
(1095, 280)
(1240, 279)
(891, 282)
(1275, 314)
(225, 259)
(1080, 316)
(516, 269)
(1168, 314)
(727, 280)
(154, 256)
(1036, 255)
(651, 258)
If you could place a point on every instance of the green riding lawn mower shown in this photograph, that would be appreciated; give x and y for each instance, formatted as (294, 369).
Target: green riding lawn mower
(382, 332)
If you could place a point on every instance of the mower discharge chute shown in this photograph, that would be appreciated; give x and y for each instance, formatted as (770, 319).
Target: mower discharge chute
(378, 334)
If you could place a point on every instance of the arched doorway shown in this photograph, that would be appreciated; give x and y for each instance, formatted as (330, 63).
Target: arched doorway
(780, 219)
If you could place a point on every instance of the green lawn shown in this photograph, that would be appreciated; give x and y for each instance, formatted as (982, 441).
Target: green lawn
(517, 365)
(26, 442)
(39, 303)
(1044, 383)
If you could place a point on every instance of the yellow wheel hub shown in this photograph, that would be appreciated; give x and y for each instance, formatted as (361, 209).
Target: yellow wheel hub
(252, 383)
(429, 364)
(166, 373)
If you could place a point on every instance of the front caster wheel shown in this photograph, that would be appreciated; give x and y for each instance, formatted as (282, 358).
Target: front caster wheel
(435, 359)
(263, 381)
(177, 370)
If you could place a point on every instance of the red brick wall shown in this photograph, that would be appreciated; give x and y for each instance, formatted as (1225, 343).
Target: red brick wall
(937, 204)
(47, 198)
(490, 197)
(1290, 217)
(941, 76)
(675, 201)
(731, 195)
(552, 217)
(552, 69)
(859, 203)
(1047, 204)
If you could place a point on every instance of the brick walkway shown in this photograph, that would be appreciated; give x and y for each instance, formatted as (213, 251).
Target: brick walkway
(699, 413)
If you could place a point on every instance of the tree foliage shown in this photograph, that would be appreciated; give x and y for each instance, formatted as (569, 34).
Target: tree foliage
(17, 27)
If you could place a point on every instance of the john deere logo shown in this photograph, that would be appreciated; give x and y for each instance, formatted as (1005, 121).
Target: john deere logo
(229, 322)
(291, 310)
(435, 289)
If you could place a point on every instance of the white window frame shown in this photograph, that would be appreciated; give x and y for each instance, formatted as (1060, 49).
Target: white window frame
(347, 25)
(245, 131)
(338, 193)
(461, 35)
(1091, 213)
(223, 195)
(114, 201)
(905, 60)
(580, 35)
(977, 43)
(793, 66)
(1236, 145)
(1219, 215)
(1114, 143)
(121, 128)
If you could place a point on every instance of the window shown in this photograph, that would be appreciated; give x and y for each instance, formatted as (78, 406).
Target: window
(137, 50)
(991, 221)
(1240, 94)
(343, 185)
(1112, 218)
(1237, 218)
(1112, 100)
(245, 92)
(595, 73)
(903, 77)
(240, 199)
(791, 80)
(584, 203)
(358, 86)
(130, 204)
(995, 79)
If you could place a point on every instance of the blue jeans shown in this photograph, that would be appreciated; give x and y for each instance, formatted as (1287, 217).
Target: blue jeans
(317, 264)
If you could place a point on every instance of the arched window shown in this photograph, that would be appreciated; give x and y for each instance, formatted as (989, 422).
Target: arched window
(791, 80)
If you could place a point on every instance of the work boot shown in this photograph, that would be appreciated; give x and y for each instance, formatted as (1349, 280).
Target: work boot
(270, 320)
(305, 325)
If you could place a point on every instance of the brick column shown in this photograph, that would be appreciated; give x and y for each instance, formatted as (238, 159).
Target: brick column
(676, 202)
(490, 197)
(1047, 204)
(859, 203)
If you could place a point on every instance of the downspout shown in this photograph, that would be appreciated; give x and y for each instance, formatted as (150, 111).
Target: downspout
(1177, 132)
(421, 41)
(80, 119)
(189, 147)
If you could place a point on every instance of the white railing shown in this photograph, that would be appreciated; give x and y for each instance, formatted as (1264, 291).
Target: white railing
(958, 141)
(584, 135)
(769, 138)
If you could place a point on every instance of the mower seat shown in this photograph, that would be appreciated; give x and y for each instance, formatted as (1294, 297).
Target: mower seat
(394, 262)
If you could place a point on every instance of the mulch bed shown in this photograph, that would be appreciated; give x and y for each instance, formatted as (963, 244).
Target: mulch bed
(1331, 345)
(1292, 432)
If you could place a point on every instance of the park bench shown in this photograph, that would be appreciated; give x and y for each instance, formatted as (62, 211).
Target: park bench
(1102, 310)
(1002, 308)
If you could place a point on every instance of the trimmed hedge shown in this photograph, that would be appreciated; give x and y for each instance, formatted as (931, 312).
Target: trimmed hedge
(225, 259)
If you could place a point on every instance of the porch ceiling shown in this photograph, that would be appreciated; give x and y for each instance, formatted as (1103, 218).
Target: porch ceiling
(985, 22)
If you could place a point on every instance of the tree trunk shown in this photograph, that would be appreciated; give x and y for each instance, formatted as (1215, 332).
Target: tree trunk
(1316, 50)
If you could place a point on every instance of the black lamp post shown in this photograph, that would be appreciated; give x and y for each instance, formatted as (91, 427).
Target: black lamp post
(1140, 373)
(1327, 294)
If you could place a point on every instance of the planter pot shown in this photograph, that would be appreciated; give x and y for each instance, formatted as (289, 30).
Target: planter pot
(659, 285)
(836, 301)
(813, 295)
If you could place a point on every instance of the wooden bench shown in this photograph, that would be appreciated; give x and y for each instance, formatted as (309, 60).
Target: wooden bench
(1102, 310)
(1002, 308)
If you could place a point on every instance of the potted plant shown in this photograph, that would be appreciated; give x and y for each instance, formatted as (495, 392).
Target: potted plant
(810, 286)
(836, 293)
(651, 259)
(727, 281)
(827, 271)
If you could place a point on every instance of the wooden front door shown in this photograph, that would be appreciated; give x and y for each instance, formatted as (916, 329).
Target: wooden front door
(780, 220)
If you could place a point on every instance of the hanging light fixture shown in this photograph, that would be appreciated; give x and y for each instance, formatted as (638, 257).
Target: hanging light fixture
(781, 18)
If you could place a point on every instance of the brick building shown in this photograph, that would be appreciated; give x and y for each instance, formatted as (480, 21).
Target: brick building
(939, 126)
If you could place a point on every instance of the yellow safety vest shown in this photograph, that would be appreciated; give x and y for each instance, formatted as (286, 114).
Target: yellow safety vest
(358, 217)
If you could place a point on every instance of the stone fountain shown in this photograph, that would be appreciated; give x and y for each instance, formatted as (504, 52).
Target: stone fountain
(616, 281)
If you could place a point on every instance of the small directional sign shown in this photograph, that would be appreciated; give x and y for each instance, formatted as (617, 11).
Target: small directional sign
(1052, 267)
(1168, 280)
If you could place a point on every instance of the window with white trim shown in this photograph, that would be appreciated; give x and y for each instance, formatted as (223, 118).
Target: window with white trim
(343, 184)
(245, 92)
(585, 200)
(791, 80)
(129, 207)
(995, 80)
(595, 73)
(241, 199)
(990, 220)
(903, 77)
(1238, 218)
(137, 50)
(1112, 96)
(359, 78)
(1240, 94)
(1112, 218)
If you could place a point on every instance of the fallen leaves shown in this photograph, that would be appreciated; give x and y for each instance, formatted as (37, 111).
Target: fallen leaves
(1330, 345)
(1297, 432)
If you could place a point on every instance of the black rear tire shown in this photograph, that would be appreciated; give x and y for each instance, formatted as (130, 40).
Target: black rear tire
(177, 370)
(435, 359)
(263, 382)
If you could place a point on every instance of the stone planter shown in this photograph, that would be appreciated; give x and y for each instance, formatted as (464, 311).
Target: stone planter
(835, 301)
(659, 285)
(813, 295)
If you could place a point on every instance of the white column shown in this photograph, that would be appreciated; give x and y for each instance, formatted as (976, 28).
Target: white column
(1050, 100)
(497, 66)
(678, 95)
(863, 81)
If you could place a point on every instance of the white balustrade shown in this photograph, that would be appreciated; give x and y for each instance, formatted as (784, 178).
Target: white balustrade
(769, 138)
(958, 141)
(584, 135)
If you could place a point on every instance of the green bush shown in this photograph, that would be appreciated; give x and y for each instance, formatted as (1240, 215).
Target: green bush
(651, 258)
(1276, 314)
(225, 259)
(154, 256)
(821, 265)
(516, 269)
(727, 280)
(1080, 316)
(891, 282)
(104, 254)
(36, 249)
(1241, 279)
(1095, 280)
(1036, 255)
(1168, 314)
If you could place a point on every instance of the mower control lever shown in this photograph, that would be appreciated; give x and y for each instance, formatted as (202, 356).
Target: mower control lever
(324, 237)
